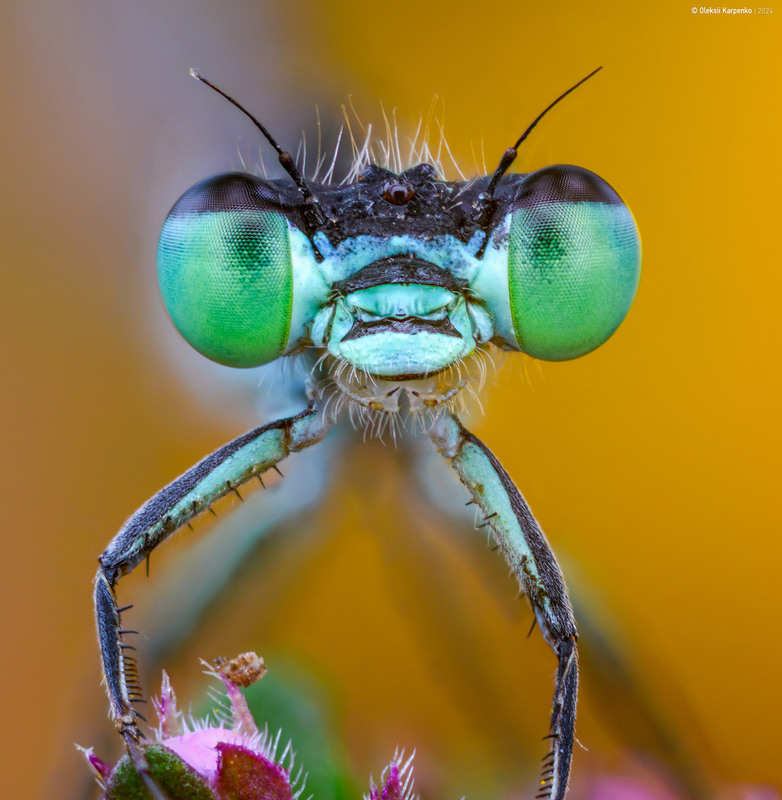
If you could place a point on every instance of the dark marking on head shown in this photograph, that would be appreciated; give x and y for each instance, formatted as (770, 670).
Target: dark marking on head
(400, 269)
(408, 325)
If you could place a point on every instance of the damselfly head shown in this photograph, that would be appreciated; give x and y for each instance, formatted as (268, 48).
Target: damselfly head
(398, 276)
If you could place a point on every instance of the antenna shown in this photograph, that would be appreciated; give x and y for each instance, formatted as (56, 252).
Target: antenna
(509, 156)
(285, 158)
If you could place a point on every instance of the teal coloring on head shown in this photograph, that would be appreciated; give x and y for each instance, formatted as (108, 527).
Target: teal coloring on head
(355, 252)
(392, 330)
(400, 300)
(227, 280)
(573, 263)
(401, 354)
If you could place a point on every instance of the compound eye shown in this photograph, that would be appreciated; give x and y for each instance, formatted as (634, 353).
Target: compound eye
(225, 272)
(574, 261)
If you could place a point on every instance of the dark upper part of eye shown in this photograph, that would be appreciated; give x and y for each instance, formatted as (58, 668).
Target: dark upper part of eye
(233, 191)
(564, 183)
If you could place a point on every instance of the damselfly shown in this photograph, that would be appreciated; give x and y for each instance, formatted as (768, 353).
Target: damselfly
(395, 285)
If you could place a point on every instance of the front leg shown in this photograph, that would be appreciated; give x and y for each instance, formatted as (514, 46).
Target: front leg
(193, 492)
(526, 550)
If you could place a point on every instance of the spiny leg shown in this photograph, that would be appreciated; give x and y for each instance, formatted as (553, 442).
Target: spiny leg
(526, 550)
(230, 466)
(177, 608)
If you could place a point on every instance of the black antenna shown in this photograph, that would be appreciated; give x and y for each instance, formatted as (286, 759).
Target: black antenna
(509, 156)
(285, 158)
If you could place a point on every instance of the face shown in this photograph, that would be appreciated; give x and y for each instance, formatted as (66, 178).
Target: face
(400, 281)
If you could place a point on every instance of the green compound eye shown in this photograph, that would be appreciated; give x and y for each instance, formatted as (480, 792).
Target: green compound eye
(574, 260)
(225, 272)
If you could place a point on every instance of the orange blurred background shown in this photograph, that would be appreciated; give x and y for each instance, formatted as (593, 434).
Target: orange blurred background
(653, 463)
